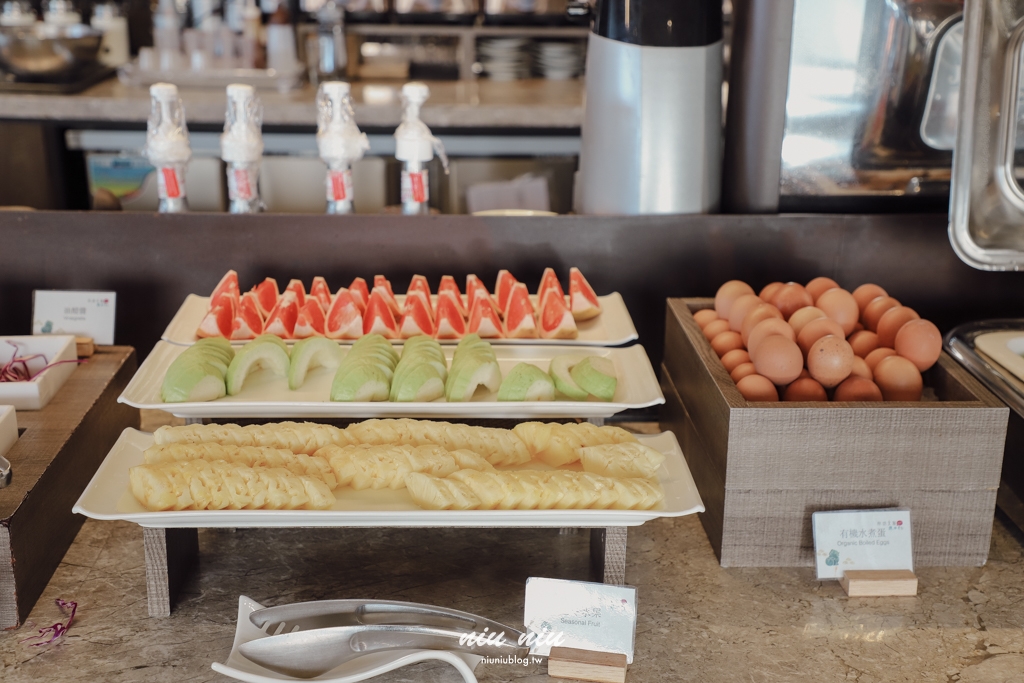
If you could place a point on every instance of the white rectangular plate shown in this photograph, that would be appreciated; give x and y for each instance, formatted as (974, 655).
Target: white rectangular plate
(613, 327)
(1005, 348)
(35, 394)
(265, 395)
(108, 497)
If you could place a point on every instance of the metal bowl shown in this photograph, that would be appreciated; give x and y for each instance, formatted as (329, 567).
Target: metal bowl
(48, 51)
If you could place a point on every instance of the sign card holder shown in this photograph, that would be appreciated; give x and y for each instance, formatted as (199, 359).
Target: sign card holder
(869, 552)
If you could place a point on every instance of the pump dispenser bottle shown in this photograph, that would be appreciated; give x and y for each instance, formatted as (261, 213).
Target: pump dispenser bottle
(167, 146)
(339, 141)
(415, 147)
(241, 148)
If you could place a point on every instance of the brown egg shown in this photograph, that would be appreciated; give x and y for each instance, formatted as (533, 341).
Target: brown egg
(861, 369)
(804, 316)
(920, 342)
(830, 360)
(891, 322)
(804, 390)
(804, 374)
(705, 316)
(899, 379)
(767, 328)
(769, 290)
(790, 298)
(779, 359)
(741, 371)
(840, 306)
(759, 314)
(815, 330)
(819, 286)
(726, 342)
(870, 314)
(715, 328)
(878, 354)
(859, 327)
(863, 342)
(757, 388)
(864, 294)
(727, 294)
(857, 389)
(734, 358)
(743, 305)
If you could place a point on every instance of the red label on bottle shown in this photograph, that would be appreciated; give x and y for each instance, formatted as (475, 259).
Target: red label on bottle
(419, 193)
(338, 186)
(243, 189)
(171, 187)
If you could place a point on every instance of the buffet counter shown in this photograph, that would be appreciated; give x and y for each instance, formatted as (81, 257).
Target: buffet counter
(697, 621)
(525, 104)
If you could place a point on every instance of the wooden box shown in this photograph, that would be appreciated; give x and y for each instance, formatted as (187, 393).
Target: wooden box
(763, 468)
(58, 451)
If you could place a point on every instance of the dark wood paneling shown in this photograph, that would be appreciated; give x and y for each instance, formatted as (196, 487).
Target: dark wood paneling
(153, 261)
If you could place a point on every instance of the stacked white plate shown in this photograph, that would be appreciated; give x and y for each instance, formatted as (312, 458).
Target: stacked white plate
(505, 59)
(558, 61)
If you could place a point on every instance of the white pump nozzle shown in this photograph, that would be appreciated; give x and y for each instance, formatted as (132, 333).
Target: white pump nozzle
(242, 141)
(413, 139)
(338, 136)
(166, 133)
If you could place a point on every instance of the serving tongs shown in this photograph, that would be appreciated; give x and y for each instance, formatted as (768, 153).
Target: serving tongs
(311, 638)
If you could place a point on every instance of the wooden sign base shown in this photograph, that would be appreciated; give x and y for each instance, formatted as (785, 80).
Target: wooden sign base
(587, 665)
(877, 583)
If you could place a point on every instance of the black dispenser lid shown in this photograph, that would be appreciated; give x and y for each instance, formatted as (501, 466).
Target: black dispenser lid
(660, 23)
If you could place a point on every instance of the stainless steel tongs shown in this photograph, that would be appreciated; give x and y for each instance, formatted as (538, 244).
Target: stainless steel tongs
(310, 638)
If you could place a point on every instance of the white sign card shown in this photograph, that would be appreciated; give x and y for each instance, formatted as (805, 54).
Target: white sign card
(588, 616)
(861, 539)
(81, 313)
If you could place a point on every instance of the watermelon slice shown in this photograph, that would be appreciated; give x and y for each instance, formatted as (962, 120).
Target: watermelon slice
(310, 322)
(321, 292)
(219, 319)
(449, 285)
(360, 292)
(503, 287)
(389, 299)
(248, 322)
(227, 285)
(549, 281)
(476, 289)
(378, 318)
(344, 318)
(582, 299)
(299, 290)
(267, 295)
(417, 319)
(450, 323)
(519, 320)
(484, 320)
(556, 321)
(282, 319)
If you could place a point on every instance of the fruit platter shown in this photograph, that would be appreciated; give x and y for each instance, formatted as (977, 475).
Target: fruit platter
(390, 473)
(511, 315)
(319, 377)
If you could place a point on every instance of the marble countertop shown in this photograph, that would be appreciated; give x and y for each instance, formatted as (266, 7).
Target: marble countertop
(528, 104)
(697, 621)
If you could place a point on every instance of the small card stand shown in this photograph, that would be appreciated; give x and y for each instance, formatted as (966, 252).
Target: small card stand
(587, 665)
(86, 347)
(879, 583)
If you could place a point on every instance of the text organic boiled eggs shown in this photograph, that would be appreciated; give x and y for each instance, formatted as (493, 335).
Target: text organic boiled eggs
(807, 343)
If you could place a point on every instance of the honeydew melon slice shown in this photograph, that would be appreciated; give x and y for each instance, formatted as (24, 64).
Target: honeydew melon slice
(192, 380)
(363, 383)
(595, 375)
(377, 341)
(471, 374)
(559, 371)
(256, 355)
(311, 353)
(526, 382)
(269, 339)
(350, 364)
(422, 383)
